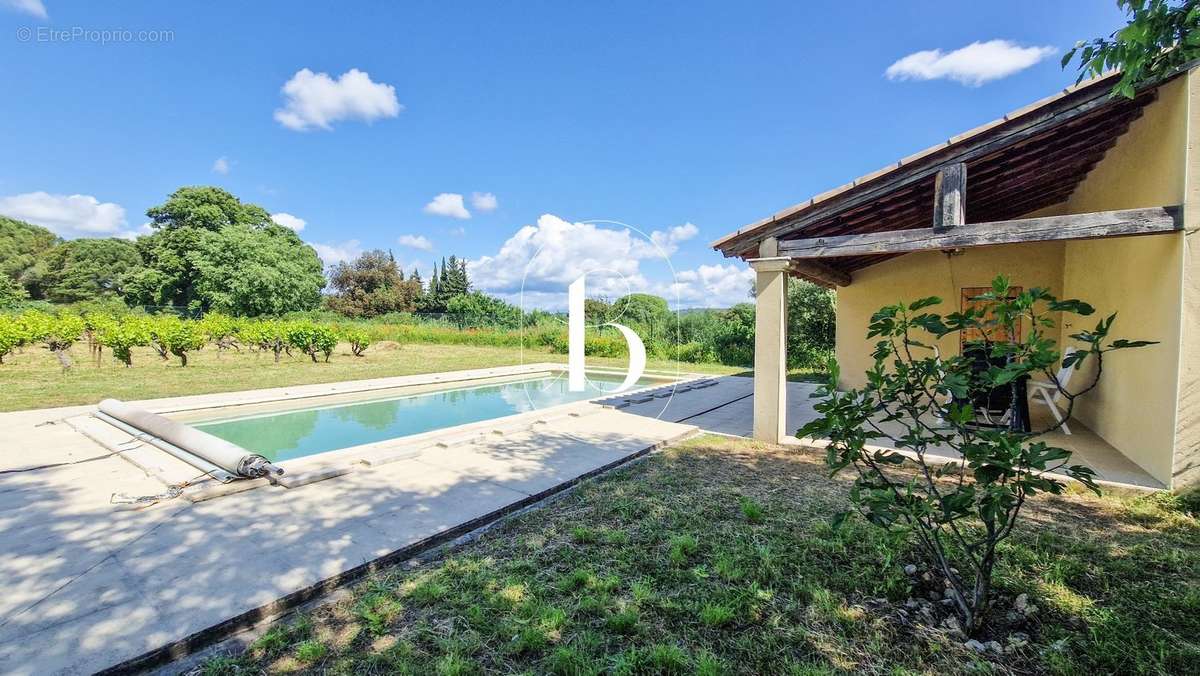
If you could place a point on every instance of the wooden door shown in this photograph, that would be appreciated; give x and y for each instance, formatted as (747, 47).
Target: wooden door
(969, 294)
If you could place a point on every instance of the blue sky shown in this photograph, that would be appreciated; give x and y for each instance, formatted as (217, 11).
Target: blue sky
(656, 115)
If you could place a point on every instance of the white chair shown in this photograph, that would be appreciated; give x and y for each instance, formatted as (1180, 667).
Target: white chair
(1050, 392)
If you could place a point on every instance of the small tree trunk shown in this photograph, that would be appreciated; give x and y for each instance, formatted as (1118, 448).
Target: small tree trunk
(64, 359)
(314, 356)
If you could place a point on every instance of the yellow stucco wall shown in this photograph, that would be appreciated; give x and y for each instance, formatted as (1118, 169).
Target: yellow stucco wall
(1187, 441)
(933, 273)
(1140, 278)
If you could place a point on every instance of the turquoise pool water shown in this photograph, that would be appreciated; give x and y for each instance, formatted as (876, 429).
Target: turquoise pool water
(294, 434)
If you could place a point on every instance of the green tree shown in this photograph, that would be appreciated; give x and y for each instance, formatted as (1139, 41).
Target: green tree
(206, 208)
(733, 338)
(810, 324)
(372, 285)
(646, 311)
(86, 269)
(21, 245)
(1160, 37)
(598, 311)
(12, 294)
(212, 251)
(248, 271)
(475, 309)
(918, 401)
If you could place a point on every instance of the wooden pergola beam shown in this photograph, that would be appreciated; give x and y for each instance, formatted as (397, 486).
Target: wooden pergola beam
(983, 144)
(1050, 228)
(820, 273)
(950, 197)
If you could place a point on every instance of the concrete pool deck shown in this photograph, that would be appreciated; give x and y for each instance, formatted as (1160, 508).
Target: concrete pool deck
(90, 584)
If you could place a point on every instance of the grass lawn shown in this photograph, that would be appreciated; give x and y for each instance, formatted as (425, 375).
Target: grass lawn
(34, 379)
(715, 556)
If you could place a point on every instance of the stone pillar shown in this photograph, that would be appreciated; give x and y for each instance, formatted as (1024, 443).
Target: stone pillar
(770, 348)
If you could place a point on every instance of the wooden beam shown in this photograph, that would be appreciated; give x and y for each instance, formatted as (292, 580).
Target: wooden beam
(980, 145)
(820, 273)
(1050, 228)
(950, 197)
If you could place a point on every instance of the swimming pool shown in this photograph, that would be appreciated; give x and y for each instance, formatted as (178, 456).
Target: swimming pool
(299, 433)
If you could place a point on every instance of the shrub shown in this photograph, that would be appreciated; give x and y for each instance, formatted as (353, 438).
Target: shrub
(694, 353)
(121, 336)
(929, 401)
(56, 333)
(220, 330)
(175, 336)
(12, 335)
(312, 339)
(265, 335)
(358, 339)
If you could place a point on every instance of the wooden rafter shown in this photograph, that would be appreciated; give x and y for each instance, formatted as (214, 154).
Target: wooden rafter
(1050, 228)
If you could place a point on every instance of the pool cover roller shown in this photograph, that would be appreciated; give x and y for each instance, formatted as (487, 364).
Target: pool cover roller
(223, 460)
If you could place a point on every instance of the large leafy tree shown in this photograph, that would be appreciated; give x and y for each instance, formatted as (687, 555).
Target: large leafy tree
(206, 208)
(247, 271)
(21, 245)
(210, 250)
(810, 324)
(11, 293)
(371, 285)
(1160, 37)
(86, 269)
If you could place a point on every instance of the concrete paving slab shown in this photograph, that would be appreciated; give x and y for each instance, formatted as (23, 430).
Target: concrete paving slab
(91, 584)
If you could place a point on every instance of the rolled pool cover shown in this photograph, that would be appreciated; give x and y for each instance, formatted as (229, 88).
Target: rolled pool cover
(207, 448)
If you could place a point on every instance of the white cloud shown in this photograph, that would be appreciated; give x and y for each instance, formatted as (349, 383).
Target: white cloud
(30, 7)
(416, 242)
(448, 204)
(457, 231)
(289, 221)
(542, 260)
(711, 286)
(315, 100)
(68, 216)
(484, 201)
(668, 242)
(338, 252)
(973, 65)
(221, 166)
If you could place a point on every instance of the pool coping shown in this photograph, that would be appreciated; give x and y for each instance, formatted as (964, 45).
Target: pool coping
(363, 457)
